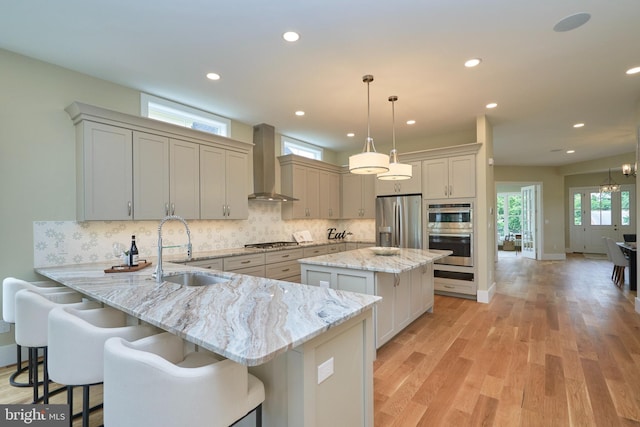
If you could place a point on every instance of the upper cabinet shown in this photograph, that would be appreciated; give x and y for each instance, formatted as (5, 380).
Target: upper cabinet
(223, 184)
(132, 167)
(449, 177)
(104, 172)
(412, 185)
(358, 196)
(313, 183)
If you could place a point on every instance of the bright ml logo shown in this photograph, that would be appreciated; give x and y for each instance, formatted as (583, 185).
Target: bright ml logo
(34, 415)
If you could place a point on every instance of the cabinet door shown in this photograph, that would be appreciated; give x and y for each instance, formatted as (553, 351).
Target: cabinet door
(105, 176)
(184, 173)
(435, 178)
(413, 185)
(368, 196)
(212, 183)
(383, 310)
(462, 176)
(329, 195)
(311, 196)
(236, 185)
(150, 176)
(402, 300)
(427, 287)
(417, 297)
(351, 196)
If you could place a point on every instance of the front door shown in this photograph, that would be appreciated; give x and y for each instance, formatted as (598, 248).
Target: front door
(598, 214)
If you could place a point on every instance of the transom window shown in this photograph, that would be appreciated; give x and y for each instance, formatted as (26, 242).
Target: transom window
(293, 146)
(183, 115)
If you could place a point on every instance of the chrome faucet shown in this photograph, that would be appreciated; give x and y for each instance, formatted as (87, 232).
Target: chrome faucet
(158, 272)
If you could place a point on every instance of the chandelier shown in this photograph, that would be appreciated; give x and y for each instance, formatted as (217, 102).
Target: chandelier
(397, 171)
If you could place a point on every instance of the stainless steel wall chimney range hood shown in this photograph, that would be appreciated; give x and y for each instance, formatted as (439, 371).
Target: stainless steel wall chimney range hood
(264, 165)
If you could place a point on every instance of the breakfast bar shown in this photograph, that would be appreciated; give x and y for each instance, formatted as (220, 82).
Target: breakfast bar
(285, 332)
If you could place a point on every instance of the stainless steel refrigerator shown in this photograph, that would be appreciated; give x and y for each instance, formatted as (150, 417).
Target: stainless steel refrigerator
(399, 221)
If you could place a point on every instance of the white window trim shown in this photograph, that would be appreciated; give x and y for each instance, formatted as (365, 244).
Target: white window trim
(145, 99)
(304, 145)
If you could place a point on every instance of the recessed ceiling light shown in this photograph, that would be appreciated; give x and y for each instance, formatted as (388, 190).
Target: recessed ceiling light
(634, 70)
(571, 22)
(351, 134)
(291, 36)
(473, 62)
(411, 122)
(492, 105)
(213, 76)
(299, 113)
(578, 125)
(571, 151)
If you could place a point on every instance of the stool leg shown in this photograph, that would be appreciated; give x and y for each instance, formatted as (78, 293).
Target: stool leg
(85, 406)
(34, 373)
(45, 380)
(70, 403)
(259, 416)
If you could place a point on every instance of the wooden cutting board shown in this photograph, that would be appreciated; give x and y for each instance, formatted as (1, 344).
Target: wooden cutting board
(128, 269)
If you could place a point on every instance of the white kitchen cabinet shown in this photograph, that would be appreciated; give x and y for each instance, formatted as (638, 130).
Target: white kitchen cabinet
(329, 195)
(151, 176)
(104, 172)
(358, 196)
(131, 167)
(303, 183)
(449, 177)
(283, 265)
(184, 179)
(315, 184)
(422, 292)
(405, 186)
(211, 264)
(223, 184)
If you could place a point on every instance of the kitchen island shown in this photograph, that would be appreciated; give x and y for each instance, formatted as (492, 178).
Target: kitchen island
(403, 280)
(285, 332)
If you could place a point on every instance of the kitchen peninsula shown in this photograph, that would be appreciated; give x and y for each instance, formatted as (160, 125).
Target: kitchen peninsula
(283, 331)
(404, 280)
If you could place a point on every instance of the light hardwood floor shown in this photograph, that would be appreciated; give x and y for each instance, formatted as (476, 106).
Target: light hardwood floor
(559, 345)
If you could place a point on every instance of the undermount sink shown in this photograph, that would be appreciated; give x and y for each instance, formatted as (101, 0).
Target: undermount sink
(192, 278)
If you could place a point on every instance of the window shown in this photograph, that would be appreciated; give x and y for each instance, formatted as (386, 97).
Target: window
(292, 146)
(509, 214)
(600, 208)
(182, 115)
(625, 213)
(577, 209)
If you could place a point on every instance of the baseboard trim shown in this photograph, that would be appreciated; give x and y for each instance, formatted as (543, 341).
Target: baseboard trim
(554, 257)
(486, 296)
(8, 355)
(637, 305)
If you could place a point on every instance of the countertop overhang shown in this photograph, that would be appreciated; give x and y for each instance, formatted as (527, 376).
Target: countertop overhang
(365, 259)
(247, 319)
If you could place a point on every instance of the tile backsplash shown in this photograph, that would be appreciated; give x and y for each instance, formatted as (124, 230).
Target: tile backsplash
(72, 242)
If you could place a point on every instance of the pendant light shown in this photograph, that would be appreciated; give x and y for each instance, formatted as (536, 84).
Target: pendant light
(610, 186)
(397, 171)
(368, 162)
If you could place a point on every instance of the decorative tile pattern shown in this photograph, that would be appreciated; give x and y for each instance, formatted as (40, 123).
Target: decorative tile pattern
(71, 242)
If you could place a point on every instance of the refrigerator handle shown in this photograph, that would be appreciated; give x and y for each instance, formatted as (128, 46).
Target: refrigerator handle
(396, 224)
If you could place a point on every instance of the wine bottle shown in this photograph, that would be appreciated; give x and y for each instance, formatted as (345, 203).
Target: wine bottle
(133, 253)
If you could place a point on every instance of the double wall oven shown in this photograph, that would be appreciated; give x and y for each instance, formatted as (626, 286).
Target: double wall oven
(450, 227)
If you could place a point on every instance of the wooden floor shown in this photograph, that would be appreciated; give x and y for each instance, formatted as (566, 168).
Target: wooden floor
(559, 345)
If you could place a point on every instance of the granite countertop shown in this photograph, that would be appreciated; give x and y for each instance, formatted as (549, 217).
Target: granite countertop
(222, 253)
(365, 259)
(247, 319)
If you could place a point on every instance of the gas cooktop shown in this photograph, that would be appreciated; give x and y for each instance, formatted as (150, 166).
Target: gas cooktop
(269, 245)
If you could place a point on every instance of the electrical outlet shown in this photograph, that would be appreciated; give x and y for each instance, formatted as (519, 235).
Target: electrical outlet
(324, 284)
(325, 370)
(4, 327)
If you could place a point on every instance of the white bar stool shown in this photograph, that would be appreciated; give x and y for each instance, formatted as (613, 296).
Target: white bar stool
(11, 286)
(76, 347)
(31, 317)
(152, 382)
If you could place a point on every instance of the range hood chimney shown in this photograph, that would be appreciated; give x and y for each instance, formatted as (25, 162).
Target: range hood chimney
(264, 165)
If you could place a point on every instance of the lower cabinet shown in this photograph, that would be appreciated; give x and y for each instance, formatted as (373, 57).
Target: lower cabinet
(283, 265)
(405, 296)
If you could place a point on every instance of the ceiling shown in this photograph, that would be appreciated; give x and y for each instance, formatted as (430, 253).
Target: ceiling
(543, 81)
